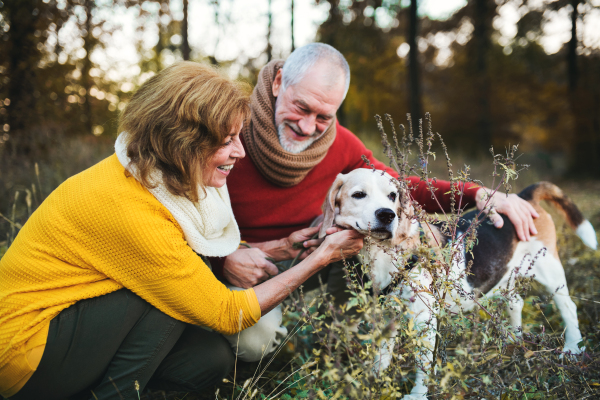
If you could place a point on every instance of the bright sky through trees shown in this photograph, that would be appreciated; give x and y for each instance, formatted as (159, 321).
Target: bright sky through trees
(238, 32)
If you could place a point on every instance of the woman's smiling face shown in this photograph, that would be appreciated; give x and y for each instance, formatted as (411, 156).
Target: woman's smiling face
(218, 167)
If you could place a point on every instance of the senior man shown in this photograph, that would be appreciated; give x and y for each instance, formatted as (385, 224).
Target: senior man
(296, 148)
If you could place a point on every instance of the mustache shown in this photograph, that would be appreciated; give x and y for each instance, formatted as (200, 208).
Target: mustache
(293, 126)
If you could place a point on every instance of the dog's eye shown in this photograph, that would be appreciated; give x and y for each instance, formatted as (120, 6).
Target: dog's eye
(392, 196)
(359, 195)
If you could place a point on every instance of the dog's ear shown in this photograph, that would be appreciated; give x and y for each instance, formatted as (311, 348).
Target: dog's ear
(329, 204)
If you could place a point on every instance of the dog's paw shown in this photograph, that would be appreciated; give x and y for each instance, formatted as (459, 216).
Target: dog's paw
(418, 392)
(572, 349)
(415, 397)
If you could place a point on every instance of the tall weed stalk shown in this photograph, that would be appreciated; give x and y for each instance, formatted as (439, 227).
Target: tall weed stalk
(476, 354)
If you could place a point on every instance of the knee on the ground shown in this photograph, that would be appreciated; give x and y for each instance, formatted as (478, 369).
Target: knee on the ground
(261, 339)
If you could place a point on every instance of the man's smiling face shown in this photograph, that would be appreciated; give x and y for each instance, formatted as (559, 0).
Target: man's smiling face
(305, 110)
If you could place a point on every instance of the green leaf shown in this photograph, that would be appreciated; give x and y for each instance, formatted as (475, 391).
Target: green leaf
(353, 302)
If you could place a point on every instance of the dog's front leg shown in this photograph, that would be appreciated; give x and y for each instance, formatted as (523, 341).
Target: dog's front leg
(515, 311)
(425, 325)
(383, 358)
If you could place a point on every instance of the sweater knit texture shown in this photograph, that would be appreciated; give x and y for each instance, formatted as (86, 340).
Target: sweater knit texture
(96, 233)
(208, 225)
(278, 166)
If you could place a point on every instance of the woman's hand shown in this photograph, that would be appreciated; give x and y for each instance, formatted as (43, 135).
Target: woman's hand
(336, 246)
(247, 268)
(303, 239)
(339, 244)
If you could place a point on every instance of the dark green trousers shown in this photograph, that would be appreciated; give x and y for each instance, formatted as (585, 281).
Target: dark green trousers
(98, 348)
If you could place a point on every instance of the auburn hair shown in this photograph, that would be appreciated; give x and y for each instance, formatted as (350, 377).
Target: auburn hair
(178, 119)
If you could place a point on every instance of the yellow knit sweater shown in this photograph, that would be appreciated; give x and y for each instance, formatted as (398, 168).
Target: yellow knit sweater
(96, 233)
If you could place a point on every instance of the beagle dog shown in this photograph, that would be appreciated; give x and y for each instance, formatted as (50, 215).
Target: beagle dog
(369, 202)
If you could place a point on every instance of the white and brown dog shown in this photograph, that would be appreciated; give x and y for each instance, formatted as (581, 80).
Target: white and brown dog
(369, 202)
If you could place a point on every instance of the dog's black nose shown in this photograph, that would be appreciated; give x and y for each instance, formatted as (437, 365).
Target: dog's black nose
(385, 215)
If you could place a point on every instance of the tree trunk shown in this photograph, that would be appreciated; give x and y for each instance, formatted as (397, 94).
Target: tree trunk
(584, 101)
(269, 48)
(158, 49)
(22, 64)
(212, 58)
(578, 152)
(329, 32)
(86, 80)
(185, 45)
(572, 49)
(292, 26)
(413, 65)
(483, 44)
(595, 134)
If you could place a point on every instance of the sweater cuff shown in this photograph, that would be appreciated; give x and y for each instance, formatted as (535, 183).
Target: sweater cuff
(253, 305)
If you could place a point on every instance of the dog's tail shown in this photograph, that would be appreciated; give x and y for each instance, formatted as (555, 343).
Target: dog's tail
(552, 194)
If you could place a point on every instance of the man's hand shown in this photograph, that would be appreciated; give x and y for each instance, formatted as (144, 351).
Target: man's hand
(246, 268)
(302, 240)
(519, 211)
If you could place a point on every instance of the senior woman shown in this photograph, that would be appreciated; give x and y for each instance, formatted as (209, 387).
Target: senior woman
(104, 289)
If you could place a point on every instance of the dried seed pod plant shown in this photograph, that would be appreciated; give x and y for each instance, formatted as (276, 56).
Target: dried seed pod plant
(476, 354)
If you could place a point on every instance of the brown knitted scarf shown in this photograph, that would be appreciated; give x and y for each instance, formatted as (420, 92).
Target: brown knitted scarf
(262, 143)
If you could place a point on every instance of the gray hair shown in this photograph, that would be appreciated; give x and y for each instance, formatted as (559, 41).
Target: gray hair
(304, 58)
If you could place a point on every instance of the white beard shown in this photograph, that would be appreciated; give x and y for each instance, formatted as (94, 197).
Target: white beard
(293, 146)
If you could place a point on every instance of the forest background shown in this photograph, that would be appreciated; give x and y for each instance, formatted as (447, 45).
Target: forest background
(490, 72)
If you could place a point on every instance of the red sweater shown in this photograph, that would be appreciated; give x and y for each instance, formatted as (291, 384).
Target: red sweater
(265, 211)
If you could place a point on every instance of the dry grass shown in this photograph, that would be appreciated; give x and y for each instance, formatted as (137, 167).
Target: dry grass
(520, 375)
(60, 158)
